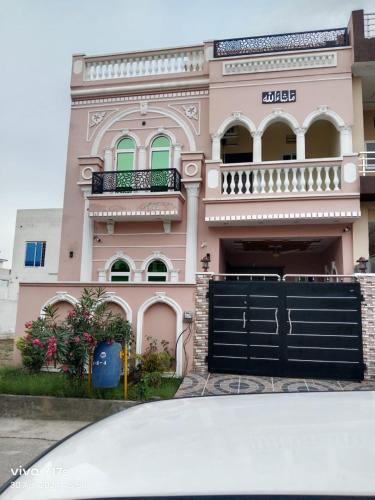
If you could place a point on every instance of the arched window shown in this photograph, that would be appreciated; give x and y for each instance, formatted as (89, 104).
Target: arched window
(160, 160)
(125, 157)
(120, 271)
(157, 271)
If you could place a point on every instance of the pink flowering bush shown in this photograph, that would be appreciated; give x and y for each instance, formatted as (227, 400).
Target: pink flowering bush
(70, 343)
(44, 342)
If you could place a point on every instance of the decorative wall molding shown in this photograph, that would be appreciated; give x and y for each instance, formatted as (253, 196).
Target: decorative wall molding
(280, 63)
(134, 213)
(181, 122)
(95, 118)
(286, 216)
(164, 299)
(190, 111)
(137, 98)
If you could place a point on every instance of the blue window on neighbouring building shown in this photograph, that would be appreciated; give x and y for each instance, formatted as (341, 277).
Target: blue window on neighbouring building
(35, 252)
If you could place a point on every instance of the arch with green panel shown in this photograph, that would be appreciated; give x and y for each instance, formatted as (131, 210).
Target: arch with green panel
(125, 160)
(160, 162)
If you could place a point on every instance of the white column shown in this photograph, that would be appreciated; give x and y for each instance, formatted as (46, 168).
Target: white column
(177, 157)
(216, 148)
(141, 158)
(257, 146)
(87, 236)
(300, 143)
(192, 190)
(108, 160)
(346, 141)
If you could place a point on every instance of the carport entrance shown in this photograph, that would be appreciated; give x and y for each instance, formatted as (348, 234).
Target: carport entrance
(277, 328)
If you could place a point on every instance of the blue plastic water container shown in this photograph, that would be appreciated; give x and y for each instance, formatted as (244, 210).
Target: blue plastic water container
(106, 366)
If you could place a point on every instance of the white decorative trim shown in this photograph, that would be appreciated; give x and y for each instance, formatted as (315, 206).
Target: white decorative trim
(192, 191)
(164, 299)
(191, 169)
(195, 118)
(121, 89)
(161, 111)
(160, 131)
(278, 115)
(236, 118)
(95, 118)
(125, 133)
(157, 256)
(280, 63)
(135, 213)
(58, 297)
(86, 173)
(112, 297)
(167, 226)
(119, 256)
(326, 113)
(301, 215)
(87, 236)
(136, 98)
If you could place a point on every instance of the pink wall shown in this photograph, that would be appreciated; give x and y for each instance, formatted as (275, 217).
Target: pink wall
(160, 323)
(33, 295)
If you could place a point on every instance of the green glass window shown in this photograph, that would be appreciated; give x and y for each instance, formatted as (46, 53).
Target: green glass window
(160, 159)
(125, 163)
(157, 271)
(120, 271)
(161, 142)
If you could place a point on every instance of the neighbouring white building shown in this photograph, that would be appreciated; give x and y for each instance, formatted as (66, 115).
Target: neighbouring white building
(35, 259)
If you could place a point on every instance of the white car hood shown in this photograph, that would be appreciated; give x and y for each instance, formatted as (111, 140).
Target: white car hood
(301, 443)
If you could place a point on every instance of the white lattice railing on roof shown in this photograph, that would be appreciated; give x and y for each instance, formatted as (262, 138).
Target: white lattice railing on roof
(189, 60)
(248, 180)
(369, 22)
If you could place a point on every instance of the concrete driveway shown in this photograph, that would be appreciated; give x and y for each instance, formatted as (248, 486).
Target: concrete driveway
(22, 440)
(217, 384)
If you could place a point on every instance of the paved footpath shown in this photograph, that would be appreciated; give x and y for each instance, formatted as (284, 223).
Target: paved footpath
(214, 384)
(22, 440)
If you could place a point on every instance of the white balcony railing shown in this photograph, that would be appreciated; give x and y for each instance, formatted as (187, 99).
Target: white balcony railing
(188, 60)
(369, 22)
(367, 162)
(262, 180)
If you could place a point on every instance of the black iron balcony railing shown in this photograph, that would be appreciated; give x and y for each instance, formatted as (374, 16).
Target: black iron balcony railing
(302, 40)
(158, 180)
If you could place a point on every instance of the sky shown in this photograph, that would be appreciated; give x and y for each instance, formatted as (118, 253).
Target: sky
(38, 38)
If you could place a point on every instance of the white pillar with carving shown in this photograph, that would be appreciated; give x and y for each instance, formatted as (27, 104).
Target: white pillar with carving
(257, 146)
(141, 158)
(300, 143)
(177, 157)
(346, 141)
(192, 190)
(108, 159)
(216, 146)
(87, 237)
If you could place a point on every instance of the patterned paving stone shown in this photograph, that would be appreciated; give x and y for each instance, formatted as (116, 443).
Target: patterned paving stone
(218, 384)
(323, 385)
(192, 385)
(289, 385)
(366, 385)
(222, 384)
(250, 384)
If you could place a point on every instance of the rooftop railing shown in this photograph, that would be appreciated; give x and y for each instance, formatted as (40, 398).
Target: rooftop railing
(303, 40)
(152, 63)
(369, 23)
(157, 180)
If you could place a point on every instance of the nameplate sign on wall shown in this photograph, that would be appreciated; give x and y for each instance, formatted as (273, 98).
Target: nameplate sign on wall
(279, 96)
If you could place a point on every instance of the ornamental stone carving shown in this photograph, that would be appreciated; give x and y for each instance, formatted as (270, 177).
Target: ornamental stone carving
(191, 111)
(96, 118)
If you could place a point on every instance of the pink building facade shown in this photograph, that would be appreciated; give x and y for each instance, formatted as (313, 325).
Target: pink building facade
(236, 150)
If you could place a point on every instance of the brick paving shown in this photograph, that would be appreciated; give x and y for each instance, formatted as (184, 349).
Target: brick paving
(214, 384)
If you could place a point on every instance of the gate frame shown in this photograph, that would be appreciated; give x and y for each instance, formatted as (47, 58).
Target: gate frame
(367, 283)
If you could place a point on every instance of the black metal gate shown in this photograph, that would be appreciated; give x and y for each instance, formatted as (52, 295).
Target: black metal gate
(286, 329)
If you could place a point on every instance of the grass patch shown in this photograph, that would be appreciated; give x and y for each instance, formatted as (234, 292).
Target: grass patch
(19, 381)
